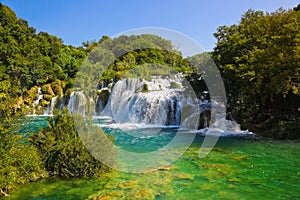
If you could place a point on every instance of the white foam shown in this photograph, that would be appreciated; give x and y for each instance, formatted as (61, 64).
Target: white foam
(134, 126)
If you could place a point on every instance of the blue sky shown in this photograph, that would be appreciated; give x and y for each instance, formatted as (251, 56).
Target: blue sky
(77, 21)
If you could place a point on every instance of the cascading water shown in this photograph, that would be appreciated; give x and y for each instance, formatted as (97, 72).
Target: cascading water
(77, 103)
(37, 101)
(165, 102)
(51, 106)
(158, 102)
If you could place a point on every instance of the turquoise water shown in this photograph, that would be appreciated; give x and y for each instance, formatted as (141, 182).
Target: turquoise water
(237, 168)
(32, 124)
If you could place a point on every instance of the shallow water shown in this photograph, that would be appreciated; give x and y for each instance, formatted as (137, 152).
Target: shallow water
(237, 168)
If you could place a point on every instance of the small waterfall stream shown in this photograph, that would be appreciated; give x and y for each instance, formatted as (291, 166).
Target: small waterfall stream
(39, 97)
(77, 102)
(51, 106)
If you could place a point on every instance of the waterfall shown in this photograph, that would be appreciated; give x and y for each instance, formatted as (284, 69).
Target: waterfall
(77, 103)
(161, 101)
(98, 106)
(51, 106)
(53, 103)
(39, 97)
(63, 102)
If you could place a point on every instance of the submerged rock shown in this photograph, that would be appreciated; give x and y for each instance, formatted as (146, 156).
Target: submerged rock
(234, 180)
(184, 176)
(168, 167)
(143, 194)
(239, 157)
(104, 197)
(127, 184)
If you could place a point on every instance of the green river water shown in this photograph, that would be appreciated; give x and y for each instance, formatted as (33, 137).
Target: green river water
(236, 168)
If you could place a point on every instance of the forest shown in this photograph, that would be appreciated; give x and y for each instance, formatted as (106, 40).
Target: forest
(259, 60)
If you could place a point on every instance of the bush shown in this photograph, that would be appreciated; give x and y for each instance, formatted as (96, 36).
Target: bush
(19, 163)
(62, 149)
(284, 129)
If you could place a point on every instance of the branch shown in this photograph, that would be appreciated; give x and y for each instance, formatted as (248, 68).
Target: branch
(4, 194)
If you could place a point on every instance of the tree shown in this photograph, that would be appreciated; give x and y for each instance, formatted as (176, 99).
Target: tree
(259, 60)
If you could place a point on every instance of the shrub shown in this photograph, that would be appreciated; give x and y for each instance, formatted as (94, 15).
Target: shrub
(63, 151)
(284, 129)
(19, 162)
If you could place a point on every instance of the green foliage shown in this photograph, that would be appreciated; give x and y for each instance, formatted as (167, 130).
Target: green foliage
(19, 163)
(284, 130)
(62, 149)
(34, 59)
(260, 63)
(133, 56)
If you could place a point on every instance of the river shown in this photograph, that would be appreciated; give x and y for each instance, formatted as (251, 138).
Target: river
(236, 168)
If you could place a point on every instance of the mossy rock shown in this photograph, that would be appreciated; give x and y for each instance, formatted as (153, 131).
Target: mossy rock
(111, 185)
(104, 95)
(204, 119)
(144, 193)
(168, 167)
(28, 101)
(127, 184)
(218, 149)
(239, 157)
(57, 87)
(46, 89)
(47, 97)
(69, 92)
(18, 104)
(110, 85)
(145, 88)
(103, 197)
(39, 110)
(31, 95)
(174, 85)
(234, 180)
(45, 103)
(184, 176)
(63, 84)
